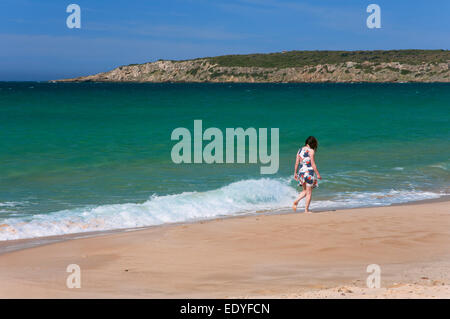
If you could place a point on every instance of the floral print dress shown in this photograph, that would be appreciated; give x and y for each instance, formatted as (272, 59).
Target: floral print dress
(305, 171)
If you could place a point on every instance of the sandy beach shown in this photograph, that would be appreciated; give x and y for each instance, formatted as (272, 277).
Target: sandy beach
(319, 255)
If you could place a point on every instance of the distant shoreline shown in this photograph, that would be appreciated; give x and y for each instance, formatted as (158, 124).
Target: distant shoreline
(391, 66)
(218, 83)
(190, 82)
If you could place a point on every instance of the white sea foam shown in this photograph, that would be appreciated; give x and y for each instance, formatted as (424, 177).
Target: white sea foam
(443, 166)
(243, 197)
(367, 199)
(11, 204)
(237, 198)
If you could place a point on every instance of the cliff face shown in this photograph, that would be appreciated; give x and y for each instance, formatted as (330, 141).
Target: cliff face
(202, 70)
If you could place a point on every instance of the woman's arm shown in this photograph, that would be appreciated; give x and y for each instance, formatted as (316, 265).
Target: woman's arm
(313, 164)
(296, 167)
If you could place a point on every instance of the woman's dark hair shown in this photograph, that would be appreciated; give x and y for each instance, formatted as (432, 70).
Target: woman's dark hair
(312, 142)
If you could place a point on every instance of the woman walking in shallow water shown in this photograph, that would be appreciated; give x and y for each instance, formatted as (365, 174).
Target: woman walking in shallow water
(306, 172)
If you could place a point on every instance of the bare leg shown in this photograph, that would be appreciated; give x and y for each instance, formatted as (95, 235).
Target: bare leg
(300, 196)
(308, 198)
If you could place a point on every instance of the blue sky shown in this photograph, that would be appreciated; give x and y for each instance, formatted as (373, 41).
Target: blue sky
(35, 43)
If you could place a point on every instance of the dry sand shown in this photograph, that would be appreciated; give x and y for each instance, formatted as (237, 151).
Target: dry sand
(319, 255)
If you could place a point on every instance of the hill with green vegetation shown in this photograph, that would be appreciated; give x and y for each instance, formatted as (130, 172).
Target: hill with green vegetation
(292, 59)
(291, 66)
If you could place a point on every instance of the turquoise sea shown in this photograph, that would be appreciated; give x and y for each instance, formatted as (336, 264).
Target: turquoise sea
(96, 156)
